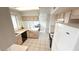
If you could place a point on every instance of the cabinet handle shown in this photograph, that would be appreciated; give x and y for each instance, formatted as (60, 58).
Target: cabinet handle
(67, 33)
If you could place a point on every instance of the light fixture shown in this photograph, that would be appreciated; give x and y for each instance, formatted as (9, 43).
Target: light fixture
(26, 8)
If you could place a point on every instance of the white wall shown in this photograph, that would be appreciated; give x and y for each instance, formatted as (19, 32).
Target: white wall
(52, 23)
(30, 13)
(18, 14)
(7, 35)
(44, 16)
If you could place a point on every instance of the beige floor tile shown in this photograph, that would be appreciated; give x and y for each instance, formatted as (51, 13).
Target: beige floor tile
(33, 49)
(38, 46)
(41, 44)
(42, 49)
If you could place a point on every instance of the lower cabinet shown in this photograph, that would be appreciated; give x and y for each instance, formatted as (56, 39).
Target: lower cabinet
(18, 39)
(33, 34)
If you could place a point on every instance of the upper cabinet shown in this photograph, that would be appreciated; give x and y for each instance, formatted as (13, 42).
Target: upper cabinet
(30, 18)
(74, 17)
(30, 15)
(75, 14)
(66, 14)
(58, 10)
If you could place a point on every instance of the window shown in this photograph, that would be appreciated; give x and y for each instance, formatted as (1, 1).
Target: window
(31, 25)
(15, 22)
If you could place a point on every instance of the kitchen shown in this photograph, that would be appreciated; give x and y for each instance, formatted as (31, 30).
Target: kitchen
(25, 26)
(20, 27)
(43, 29)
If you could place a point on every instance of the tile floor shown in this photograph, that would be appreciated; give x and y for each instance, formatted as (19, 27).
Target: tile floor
(41, 44)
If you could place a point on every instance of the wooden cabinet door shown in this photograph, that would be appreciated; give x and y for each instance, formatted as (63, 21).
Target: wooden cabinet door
(19, 39)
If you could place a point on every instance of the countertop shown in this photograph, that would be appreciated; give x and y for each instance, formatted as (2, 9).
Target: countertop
(18, 32)
(75, 25)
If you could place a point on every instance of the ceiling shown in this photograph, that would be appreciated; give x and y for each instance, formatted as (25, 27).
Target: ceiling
(30, 4)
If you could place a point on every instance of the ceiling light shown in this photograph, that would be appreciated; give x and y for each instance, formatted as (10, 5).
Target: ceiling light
(27, 8)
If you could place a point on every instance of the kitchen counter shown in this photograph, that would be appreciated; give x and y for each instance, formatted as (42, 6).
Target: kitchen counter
(19, 32)
(21, 36)
(75, 25)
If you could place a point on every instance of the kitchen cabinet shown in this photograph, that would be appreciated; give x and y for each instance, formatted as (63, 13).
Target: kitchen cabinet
(18, 39)
(30, 18)
(33, 34)
(58, 10)
(65, 37)
(21, 36)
